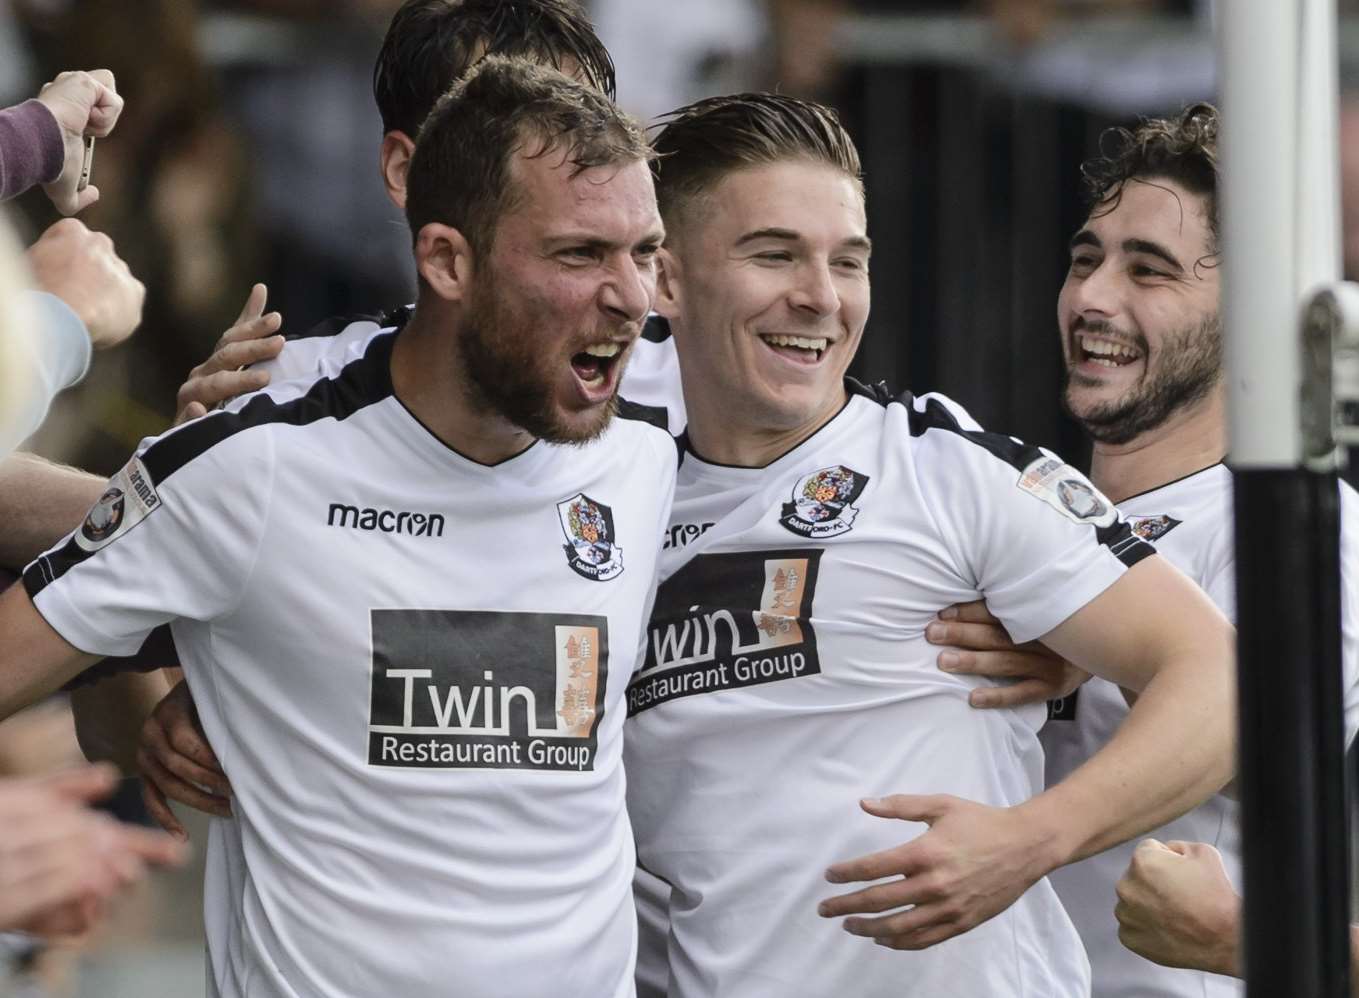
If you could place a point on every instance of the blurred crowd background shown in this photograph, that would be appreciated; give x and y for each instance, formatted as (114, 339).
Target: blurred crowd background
(248, 152)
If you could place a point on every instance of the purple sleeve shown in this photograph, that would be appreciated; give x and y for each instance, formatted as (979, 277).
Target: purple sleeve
(31, 150)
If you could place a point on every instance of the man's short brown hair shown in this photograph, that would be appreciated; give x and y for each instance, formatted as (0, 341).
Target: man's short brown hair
(705, 141)
(432, 43)
(1182, 149)
(460, 172)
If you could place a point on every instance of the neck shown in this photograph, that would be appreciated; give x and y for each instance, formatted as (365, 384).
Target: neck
(430, 381)
(1187, 442)
(718, 435)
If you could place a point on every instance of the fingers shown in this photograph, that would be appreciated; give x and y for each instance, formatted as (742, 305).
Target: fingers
(159, 809)
(881, 897)
(973, 637)
(83, 199)
(216, 388)
(83, 783)
(254, 304)
(1009, 663)
(921, 927)
(238, 351)
(1019, 694)
(177, 789)
(108, 105)
(975, 612)
(191, 411)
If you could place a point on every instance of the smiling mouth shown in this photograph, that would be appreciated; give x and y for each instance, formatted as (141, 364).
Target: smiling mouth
(1105, 352)
(594, 365)
(805, 349)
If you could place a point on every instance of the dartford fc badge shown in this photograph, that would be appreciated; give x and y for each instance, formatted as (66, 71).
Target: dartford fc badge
(822, 503)
(590, 548)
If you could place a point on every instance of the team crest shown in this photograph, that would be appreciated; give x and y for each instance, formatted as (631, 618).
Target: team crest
(129, 498)
(590, 548)
(1150, 528)
(822, 503)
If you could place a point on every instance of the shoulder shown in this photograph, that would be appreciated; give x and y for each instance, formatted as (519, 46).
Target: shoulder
(338, 392)
(336, 339)
(935, 421)
(649, 423)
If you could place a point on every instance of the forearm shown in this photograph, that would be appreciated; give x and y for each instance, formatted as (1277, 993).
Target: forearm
(40, 502)
(1173, 751)
(109, 716)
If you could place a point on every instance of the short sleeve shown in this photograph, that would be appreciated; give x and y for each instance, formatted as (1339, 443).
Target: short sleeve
(1033, 536)
(175, 535)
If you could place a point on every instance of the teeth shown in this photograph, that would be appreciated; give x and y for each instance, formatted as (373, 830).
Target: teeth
(801, 342)
(603, 349)
(1107, 349)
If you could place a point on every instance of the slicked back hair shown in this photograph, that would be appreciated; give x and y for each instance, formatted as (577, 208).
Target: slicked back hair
(432, 43)
(1182, 149)
(460, 172)
(705, 141)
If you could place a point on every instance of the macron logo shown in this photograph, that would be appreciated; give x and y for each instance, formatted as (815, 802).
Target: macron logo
(388, 521)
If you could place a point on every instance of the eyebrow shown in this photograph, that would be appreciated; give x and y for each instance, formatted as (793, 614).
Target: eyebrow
(788, 235)
(1087, 238)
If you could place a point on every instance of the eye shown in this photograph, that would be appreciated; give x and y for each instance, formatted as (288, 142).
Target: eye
(849, 263)
(647, 252)
(1083, 264)
(578, 254)
(1142, 270)
(775, 256)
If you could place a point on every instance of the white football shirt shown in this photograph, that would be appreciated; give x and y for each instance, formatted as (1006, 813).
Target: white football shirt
(1190, 522)
(651, 377)
(786, 675)
(412, 667)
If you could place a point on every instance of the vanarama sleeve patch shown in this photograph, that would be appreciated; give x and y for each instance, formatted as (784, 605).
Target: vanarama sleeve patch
(1067, 491)
(130, 498)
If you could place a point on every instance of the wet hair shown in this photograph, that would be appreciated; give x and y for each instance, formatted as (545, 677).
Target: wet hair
(1182, 149)
(432, 43)
(460, 172)
(702, 143)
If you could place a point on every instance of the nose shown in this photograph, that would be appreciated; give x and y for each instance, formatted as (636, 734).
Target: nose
(815, 292)
(1096, 295)
(630, 291)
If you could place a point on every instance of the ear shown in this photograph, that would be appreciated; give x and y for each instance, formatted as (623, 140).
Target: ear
(443, 257)
(668, 283)
(393, 162)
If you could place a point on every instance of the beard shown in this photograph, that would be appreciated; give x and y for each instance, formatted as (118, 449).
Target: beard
(508, 373)
(1188, 366)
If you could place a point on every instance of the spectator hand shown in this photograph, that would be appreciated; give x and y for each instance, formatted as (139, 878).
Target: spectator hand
(971, 864)
(220, 378)
(61, 862)
(177, 762)
(82, 269)
(1177, 908)
(83, 104)
(982, 647)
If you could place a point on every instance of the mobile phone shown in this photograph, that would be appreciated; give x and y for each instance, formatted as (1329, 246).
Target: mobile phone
(86, 164)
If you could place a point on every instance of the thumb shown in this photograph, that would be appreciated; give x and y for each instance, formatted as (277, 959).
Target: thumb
(928, 808)
(84, 199)
(191, 411)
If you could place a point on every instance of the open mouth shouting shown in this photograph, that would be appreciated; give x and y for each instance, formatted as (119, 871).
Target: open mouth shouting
(799, 349)
(597, 370)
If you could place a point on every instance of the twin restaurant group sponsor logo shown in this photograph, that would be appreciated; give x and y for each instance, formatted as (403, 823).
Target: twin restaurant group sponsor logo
(726, 621)
(468, 689)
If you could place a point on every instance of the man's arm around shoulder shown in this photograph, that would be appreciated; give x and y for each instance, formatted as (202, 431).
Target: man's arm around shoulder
(34, 659)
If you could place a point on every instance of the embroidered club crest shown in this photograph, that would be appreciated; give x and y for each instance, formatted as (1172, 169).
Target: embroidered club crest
(1066, 490)
(106, 516)
(590, 548)
(822, 503)
(1150, 528)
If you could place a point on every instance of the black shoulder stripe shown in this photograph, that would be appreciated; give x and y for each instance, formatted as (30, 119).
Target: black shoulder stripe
(337, 324)
(656, 415)
(656, 329)
(1117, 536)
(361, 383)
